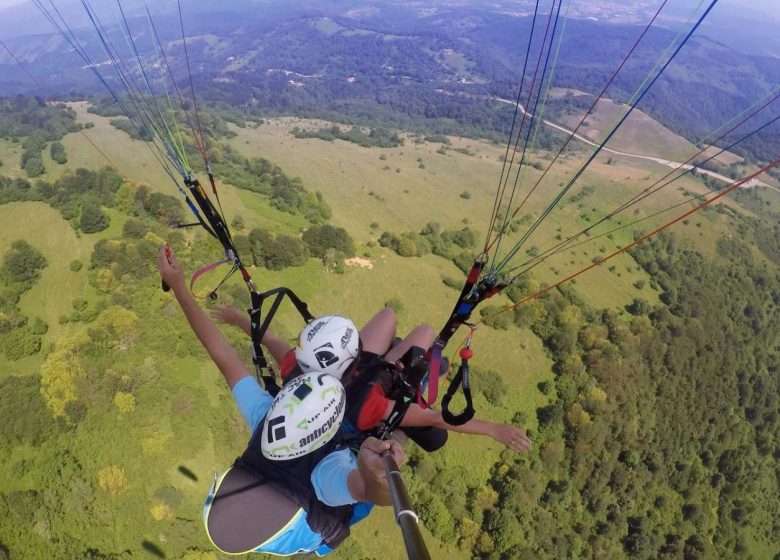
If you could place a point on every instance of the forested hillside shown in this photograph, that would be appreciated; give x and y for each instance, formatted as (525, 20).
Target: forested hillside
(394, 64)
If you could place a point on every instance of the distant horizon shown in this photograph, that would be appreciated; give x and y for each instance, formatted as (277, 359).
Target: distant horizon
(767, 7)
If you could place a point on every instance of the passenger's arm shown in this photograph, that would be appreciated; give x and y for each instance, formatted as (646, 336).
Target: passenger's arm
(277, 346)
(511, 436)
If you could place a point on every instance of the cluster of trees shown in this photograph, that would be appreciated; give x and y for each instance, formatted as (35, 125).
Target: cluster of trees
(38, 123)
(275, 252)
(261, 176)
(375, 138)
(21, 268)
(455, 245)
(212, 123)
(79, 195)
(331, 244)
(661, 429)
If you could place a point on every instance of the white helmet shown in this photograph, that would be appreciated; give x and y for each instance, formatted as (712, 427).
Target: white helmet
(329, 344)
(305, 415)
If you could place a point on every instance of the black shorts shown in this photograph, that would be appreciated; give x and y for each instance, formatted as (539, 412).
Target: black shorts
(429, 438)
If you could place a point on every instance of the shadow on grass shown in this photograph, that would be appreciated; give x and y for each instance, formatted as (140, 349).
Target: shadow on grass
(188, 473)
(153, 549)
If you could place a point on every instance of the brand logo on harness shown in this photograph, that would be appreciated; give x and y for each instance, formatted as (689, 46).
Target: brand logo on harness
(327, 427)
(275, 430)
(314, 330)
(347, 337)
(325, 355)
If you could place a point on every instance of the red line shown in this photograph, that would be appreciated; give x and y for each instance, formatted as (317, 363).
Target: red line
(571, 136)
(622, 250)
(40, 86)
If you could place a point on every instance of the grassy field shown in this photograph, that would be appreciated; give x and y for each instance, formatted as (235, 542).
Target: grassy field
(400, 189)
(57, 240)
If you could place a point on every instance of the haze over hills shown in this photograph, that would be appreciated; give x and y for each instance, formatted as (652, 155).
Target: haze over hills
(302, 57)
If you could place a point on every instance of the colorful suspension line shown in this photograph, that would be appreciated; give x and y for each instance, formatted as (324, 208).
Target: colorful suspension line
(504, 167)
(477, 287)
(650, 190)
(731, 188)
(534, 114)
(578, 174)
(572, 135)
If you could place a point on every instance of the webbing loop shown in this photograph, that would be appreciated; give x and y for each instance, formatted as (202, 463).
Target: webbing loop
(460, 380)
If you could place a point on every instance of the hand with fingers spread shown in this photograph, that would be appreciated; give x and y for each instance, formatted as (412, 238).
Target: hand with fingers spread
(511, 436)
(230, 315)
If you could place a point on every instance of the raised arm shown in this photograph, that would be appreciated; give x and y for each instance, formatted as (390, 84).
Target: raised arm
(221, 352)
(511, 436)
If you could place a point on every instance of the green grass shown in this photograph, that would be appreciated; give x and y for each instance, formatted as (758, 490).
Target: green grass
(10, 155)
(360, 190)
(45, 229)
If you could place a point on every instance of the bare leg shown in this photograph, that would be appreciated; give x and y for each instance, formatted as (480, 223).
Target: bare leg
(378, 333)
(422, 336)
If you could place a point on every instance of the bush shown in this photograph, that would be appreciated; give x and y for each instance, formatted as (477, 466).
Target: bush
(76, 265)
(134, 229)
(489, 383)
(454, 283)
(395, 304)
(493, 316)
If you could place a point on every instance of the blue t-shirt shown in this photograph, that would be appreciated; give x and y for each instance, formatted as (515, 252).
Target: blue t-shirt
(329, 477)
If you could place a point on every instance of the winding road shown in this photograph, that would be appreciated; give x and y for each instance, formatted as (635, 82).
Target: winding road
(665, 162)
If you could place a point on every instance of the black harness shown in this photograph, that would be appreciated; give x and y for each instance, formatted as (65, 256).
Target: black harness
(293, 479)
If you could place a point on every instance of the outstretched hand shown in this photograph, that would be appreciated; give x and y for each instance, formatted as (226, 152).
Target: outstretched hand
(511, 436)
(170, 269)
(229, 314)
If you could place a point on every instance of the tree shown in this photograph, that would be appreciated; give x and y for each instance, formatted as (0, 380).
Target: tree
(92, 218)
(57, 152)
(284, 251)
(23, 262)
(34, 167)
(321, 238)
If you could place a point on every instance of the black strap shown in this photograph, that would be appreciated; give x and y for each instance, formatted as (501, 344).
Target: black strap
(405, 389)
(218, 227)
(258, 329)
(461, 379)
